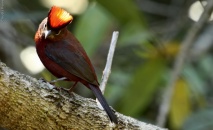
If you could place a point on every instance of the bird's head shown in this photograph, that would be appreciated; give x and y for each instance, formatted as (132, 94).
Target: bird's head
(57, 20)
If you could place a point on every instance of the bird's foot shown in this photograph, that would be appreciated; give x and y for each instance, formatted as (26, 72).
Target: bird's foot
(53, 81)
(64, 89)
(42, 80)
(45, 81)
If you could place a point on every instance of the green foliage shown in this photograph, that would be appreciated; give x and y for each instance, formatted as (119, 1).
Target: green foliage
(131, 20)
(143, 85)
(91, 28)
(124, 11)
(201, 120)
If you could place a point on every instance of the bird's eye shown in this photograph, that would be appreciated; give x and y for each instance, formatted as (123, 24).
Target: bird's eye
(58, 32)
(45, 25)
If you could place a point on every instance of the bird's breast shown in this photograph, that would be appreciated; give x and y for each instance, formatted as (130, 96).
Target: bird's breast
(50, 65)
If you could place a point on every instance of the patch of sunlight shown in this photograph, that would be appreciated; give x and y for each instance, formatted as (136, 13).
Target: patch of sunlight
(31, 60)
(71, 6)
(196, 10)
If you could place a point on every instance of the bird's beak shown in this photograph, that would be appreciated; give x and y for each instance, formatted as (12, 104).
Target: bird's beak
(47, 33)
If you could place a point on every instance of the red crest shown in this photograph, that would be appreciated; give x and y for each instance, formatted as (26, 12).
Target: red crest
(58, 18)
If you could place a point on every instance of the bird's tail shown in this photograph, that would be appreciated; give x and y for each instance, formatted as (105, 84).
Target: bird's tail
(98, 94)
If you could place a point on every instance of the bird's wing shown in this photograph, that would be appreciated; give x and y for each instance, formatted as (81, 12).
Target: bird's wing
(65, 54)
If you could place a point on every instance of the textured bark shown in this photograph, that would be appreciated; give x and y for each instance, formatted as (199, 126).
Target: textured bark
(27, 104)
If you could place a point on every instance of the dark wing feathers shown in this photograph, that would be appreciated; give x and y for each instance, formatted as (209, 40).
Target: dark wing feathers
(66, 56)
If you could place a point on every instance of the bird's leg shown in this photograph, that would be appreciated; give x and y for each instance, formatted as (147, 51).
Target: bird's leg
(56, 80)
(71, 89)
(45, 81)
(53, 81)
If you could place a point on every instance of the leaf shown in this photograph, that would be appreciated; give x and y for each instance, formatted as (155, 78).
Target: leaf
(134, 34)
(205, 65)
(196, 84)
(201, 120)
(180, 104)
(124, 11)
(144, 84)
(91, 28)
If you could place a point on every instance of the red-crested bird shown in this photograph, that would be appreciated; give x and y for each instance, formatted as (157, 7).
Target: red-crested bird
(62, 54)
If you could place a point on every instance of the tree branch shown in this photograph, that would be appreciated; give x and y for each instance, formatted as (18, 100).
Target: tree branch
(107, 69)
(28, 104)
(179, 62)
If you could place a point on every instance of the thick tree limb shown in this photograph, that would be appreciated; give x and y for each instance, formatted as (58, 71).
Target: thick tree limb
(28, 104)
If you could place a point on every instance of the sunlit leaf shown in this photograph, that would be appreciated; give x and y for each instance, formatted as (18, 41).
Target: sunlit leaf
(170, 49)
(159, 50)
(180, 104)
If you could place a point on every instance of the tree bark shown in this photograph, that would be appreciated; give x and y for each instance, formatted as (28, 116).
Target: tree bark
(26, 104)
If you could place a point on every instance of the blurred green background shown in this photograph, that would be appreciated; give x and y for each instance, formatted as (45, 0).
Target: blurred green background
(151, 32)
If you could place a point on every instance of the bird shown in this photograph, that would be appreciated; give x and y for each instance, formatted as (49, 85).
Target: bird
(63, 55)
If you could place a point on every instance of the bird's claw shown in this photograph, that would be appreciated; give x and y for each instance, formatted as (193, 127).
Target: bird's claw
(42, 80)
(45, 81)
(64, 89)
